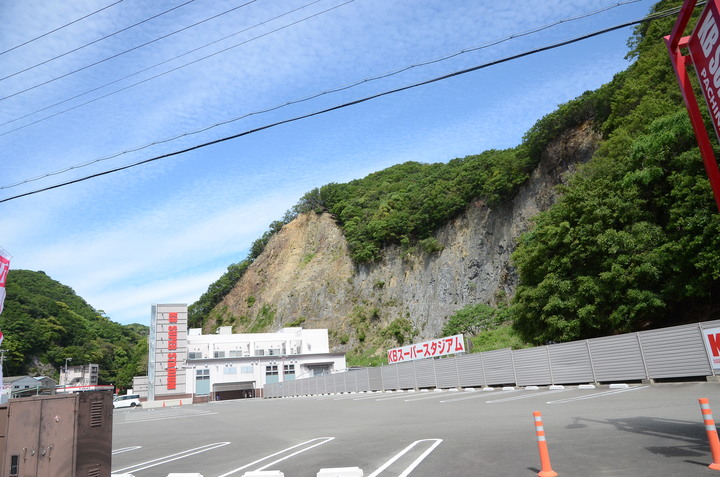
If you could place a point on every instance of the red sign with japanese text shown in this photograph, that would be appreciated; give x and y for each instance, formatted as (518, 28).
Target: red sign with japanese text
(712, 346)
(704, 47)
(428, 349)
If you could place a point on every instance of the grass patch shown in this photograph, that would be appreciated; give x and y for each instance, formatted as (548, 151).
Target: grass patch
(504, 336)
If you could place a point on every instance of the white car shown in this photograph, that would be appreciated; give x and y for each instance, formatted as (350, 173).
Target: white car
(128, 400)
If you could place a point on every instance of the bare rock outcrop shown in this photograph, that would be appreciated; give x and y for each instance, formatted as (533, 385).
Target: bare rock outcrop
(305, 274)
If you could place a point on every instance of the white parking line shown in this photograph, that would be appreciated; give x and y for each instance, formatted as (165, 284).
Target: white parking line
(169, 458)
(597, 395)
(126, 449)
(414, 464)
(481, 394)
(323, 440)
(163, 415)
(525, 396)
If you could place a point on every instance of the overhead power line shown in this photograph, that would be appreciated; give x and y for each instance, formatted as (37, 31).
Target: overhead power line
(313, 96)
(126, 51)
(316, 95)
(351, 103)
(57, 29)
(173, 69)
(96, 41)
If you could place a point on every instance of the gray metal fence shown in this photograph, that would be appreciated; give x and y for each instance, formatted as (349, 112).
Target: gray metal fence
(665, 353)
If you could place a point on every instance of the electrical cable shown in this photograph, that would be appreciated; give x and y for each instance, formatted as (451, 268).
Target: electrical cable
(142, 71)
(333, 90)
(96, 41)
(351, 103)
(57, 29)
(126, 51)
(176, 68)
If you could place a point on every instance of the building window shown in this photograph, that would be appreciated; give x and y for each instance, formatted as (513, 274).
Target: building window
(231, 370)
(246, 370)
(236, 353)
(319, 370)
(259, 352)
(202, 382)
(289, 372)
(271, 374)
(195, 355)
(219, 354)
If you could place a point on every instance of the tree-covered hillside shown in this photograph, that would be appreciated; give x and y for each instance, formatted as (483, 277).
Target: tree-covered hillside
(633, 243)
(44, 322)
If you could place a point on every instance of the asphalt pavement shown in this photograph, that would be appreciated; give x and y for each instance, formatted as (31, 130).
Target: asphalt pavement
(641, 430)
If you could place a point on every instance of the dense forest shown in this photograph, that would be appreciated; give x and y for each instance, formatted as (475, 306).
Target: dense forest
(632, 243)
(45, 322)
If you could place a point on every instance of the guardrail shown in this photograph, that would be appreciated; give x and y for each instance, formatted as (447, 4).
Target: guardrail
(666, 353)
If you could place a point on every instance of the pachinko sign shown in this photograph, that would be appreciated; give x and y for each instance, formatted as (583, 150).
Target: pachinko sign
(704, 48)
(428, 349)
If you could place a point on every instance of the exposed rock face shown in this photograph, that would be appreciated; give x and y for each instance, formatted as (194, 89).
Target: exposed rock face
(305, 271)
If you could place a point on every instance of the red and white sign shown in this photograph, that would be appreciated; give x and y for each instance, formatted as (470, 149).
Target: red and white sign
(704, 47)
(77, 389)
(712, 345)
(428, 349)
(4, 268)
(172, 352)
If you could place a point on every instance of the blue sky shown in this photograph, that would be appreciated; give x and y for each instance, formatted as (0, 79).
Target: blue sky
(164, 231)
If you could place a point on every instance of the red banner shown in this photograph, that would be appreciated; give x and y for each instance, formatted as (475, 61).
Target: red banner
(4, 267)
(704, 47)
(428, 349)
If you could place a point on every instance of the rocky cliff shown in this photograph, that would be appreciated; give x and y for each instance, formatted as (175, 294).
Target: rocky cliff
(305, 276)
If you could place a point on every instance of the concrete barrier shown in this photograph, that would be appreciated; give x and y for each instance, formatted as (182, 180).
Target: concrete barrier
(263, 473)
(341, 472)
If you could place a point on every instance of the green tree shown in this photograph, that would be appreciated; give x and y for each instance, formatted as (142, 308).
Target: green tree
(471, 320)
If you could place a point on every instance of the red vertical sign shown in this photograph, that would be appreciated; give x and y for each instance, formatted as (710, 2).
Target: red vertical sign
(703, 44)
(4, 268)
(704, 47)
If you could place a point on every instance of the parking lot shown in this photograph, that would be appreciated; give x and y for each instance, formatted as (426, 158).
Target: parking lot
(641, 430)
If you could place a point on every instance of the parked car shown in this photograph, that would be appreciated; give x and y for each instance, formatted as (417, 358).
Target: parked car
(127, 400)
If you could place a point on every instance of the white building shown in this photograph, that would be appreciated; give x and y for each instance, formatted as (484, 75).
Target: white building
(86, 375)
(185, 363)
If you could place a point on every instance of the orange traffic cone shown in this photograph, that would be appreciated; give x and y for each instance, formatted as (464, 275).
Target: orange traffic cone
(711, 431)
(545, 468)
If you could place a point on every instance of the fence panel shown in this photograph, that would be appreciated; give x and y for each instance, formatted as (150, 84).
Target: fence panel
(390, 377)
(617, 358)
(471, 370)
(675, 352)
(406, 371)
(325, 385)
(498, 367)
(362, 378)
(425, 373)
(532, 366)
(375, 379)
(446, 372)
(339, 382)
(570, 363)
